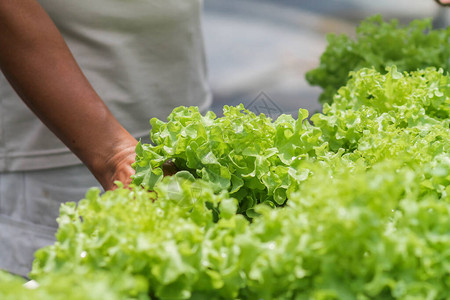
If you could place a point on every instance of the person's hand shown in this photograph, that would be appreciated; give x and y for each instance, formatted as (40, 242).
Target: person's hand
(118, 167)
(443, 2)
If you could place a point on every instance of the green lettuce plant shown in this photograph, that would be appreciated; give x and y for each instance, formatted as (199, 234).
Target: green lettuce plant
(252, 157)
(378, 45)
(365, 210)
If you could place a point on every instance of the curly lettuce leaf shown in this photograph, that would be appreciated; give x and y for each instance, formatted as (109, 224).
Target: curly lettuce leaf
(378, 45)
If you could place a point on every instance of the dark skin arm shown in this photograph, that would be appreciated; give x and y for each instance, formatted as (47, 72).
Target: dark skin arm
(39, 66)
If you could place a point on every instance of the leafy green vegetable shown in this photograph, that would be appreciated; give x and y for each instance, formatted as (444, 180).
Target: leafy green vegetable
(76, 284)
(166, 241)
(373, 111)
(367, 212)
(380, 44)
(257, 160)
(248, 155)
(352, 234)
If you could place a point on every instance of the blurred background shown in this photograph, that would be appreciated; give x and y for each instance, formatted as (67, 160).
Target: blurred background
(259, 50)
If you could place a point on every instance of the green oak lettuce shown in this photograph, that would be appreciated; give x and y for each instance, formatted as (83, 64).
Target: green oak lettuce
(256, 159)
(170, 241)
(250, 156)
(74, 284)
(349, 233)
(364, 192)
(380, 44)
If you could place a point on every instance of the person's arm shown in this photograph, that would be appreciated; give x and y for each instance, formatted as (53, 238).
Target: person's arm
(39, 66)
(443, 2)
